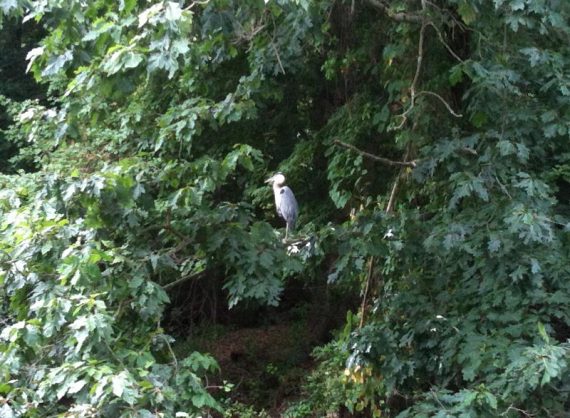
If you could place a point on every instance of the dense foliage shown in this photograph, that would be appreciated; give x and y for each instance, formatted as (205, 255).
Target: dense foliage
(15, 87)
(426, 143)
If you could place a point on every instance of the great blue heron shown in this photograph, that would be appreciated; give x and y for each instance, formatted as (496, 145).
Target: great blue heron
(285, 201)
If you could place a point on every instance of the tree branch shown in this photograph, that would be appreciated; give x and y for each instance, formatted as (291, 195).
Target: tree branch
(442, 100)
(183, 279)
(420, 58)
(413, 87)
(399, 16)
(389, 210)
(396, 185)
(521, 411)
(278, 57)
(445, 44)
(365, 296)
(376, 157)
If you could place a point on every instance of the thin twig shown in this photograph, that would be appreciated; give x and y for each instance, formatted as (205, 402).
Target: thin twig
(469, 151)
(522, 411)
(440, 36)
(418, 18)
(396, 185)
(420, 58)
(437, 399)
(278, 57)
(442, 100)
(413, 87)
(243, 36)
(273, 45)
(171, 352)
(365, 296)
(457, 22)
(392, 200)
(115, 356)
(389, 209)
(399, 16)
(503, 188)
(194, 3)
(376, 157)
(183, 279)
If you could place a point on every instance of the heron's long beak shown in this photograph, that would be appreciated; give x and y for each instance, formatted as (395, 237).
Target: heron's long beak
(270, 179)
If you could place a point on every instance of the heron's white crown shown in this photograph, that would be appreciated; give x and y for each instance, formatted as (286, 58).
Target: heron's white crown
(278, 179)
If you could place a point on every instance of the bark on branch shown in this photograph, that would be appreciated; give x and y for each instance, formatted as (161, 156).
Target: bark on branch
(184, 279)
(397, 16)
(376, 157)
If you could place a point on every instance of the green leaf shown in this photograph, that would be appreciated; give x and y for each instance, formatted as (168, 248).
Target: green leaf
(7, 412)
(5, 388)
(517, 5)
(56, 63)
(131, 59)
(76, 386)
(542, 332)
(8, 5)
(479, 119)
(494, 245)
(119, 382)
(172, 11)
(467, 12)
(491, 400)
(456, 75)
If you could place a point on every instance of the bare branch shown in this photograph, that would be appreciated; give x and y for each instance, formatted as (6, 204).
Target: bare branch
(413, 94)
(521, 411)
(194, 3)
(469, 151)
(445, 44)
(456, 21)
(376, 157)
(165, 339)
(396, 185)
(442, 100)
(420, 58)
(246, 36)
(397, 16)
(389, 210)
(278, 57)
(183, 279)
(503, 188)
(417, 17)
(365, 296)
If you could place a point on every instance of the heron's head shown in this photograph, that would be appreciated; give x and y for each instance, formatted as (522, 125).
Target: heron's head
(277, 179)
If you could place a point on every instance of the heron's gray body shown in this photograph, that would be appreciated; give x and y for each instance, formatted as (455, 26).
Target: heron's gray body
(285, 201)
(286, 205)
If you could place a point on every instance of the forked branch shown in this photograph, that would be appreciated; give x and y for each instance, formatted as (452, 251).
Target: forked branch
(419, 17)
(419, 61)
(376, 157)
(442, 100)
(389, 209)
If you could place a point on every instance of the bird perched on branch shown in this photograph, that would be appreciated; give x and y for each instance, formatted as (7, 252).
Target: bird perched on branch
(285, 201)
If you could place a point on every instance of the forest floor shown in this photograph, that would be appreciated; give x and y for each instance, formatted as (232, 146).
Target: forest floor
(267, 364)
(264, 353)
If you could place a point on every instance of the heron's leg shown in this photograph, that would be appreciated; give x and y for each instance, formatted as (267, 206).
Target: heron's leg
(286, 230)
